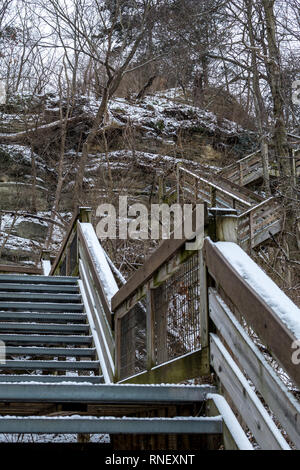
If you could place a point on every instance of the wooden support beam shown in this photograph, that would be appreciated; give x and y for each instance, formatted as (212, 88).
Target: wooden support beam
(253, 308)
(150, 329)
(234, 437)
(187, 367)
(275, 393)
(20, 269)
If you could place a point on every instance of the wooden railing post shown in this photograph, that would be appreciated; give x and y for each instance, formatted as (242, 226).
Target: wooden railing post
(150, 330)
(85, 214)
(117, 348)
(213, 197)
(251, 231)
(241, 173)
(204, 314)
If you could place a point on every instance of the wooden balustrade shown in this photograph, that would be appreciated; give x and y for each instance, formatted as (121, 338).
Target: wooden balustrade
(185, 314)
(204, 287)
(256, 220)
(245, 170)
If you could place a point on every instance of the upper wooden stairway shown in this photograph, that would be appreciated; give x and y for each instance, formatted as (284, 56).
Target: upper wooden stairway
(251, 219)
(249, 169)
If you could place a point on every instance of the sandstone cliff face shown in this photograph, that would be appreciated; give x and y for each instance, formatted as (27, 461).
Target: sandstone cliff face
(140, 141)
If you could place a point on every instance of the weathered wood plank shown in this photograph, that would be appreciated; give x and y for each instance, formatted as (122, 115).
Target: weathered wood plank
(234, 437)
(274, 392)
(244, 398)
(94, 273)
(253, 308)
(191, 365)
(202, 273)
(160, 257)
(96, 307)
(18, 269)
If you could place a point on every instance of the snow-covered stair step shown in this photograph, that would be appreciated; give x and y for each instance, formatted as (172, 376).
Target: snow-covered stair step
(36, 351)
(108, 394)
(111, 425)
(51, 280)
(70, 328)
(41, 307)
(32, 340)
(39, 297)
(46, 288)
(49, 365)
(43, 317)
(51, 379)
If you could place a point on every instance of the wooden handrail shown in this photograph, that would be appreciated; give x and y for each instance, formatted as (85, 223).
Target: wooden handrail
(34, 216)
(218, 188)
(258, 206)
(161, 255)
(95, 275)
(258, 314)
(248, 157)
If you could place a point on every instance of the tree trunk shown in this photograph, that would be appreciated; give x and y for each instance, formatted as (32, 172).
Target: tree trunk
(273, 65)
(258, 100)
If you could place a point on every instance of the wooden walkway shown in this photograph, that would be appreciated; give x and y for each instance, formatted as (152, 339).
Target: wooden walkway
(251, 219)
(209, 314)
(185, 315)
(249, 169)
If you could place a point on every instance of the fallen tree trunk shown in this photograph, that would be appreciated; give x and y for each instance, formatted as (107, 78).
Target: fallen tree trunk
(21, 137)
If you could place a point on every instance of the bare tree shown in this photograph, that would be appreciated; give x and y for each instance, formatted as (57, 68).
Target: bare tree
(110, 34)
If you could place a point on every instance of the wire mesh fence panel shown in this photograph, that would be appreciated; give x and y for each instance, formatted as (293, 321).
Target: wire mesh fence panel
(177, 313)
(133, 353)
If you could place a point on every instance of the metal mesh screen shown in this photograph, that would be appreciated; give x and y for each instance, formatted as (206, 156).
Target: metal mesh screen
(177, 313)
(133, 341)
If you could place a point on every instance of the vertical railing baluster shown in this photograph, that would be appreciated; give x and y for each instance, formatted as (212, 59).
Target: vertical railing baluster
(117, 348)
(204, 310)
(251, 230)
(150, 330)
(213, 196)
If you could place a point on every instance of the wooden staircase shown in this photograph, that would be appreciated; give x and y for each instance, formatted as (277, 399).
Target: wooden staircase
(45, 330)
(84, 357)
(51, 378)
(251, 219)
(249, 169)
